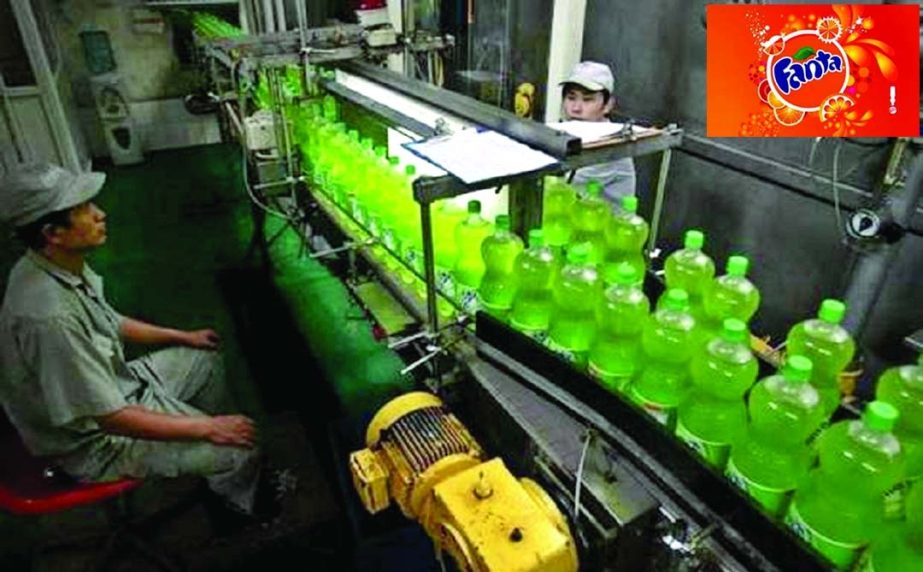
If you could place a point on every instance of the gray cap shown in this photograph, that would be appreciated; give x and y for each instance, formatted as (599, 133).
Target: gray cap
(29, 192)
(594, 76)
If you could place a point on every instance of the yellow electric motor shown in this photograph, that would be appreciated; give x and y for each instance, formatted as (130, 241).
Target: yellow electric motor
(421, 455)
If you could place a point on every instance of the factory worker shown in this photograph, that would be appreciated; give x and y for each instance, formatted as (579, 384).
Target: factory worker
(64, 380)
(588, 96)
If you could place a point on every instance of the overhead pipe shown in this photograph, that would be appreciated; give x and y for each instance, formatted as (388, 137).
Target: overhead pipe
(872, 264)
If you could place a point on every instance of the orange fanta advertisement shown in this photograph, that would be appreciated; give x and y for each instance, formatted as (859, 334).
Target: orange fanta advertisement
(831, 70)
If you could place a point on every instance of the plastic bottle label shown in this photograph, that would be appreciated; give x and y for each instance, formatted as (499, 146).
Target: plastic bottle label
(842, 554)
(714, 453)
(894, 508)
(771, 499)
(575, 357)
(388, 239)
(660, 413)
(468, 299)
(445, 283)
(413, 258)
(540, 336)
(355, 209)
(866, 562)
(611, 381)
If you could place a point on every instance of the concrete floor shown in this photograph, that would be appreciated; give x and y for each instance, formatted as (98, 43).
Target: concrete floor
(299, 357)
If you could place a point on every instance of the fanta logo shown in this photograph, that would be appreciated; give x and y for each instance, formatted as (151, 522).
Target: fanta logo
(791, 75)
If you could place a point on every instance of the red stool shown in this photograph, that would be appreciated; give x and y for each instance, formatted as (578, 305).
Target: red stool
(31, 486)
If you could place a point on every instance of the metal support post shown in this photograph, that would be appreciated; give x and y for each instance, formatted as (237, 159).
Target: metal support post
(526, 205)
(658, 201)
(429, 265)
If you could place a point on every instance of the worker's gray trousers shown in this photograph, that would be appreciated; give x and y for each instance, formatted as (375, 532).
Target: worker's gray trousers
(178, 381)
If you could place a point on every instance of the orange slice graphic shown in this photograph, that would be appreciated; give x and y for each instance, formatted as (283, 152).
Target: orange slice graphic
(788, 116)
(835, 105)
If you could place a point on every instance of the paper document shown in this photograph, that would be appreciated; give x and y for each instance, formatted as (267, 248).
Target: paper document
(591, 131)
(475, 156)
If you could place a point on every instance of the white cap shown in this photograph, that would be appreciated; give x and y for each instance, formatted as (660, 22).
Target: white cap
(30, 191)
(592, 75)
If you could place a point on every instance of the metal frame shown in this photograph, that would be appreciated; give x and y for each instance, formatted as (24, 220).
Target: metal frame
(730, 524)
(427, 190)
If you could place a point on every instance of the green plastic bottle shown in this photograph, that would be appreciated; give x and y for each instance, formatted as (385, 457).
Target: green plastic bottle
(536, 269)
(902, 387)
(899, 548)
(715, 414)
(575, 295)
(773, 457)
(446, 217)
(498, 286)
(728, 296)
(589, 217)
(841, 503)
(691, 269)
(469, 265)
(626, 234)
(407, 224)
(557, 203)
(667, 341)
(331, 111)
(620, 317)
(829, 346)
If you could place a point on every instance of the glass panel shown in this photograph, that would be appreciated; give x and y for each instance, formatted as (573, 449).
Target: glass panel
(488, 53)
(14, 62)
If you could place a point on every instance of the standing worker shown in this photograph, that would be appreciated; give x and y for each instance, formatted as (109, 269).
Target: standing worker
(588, 96)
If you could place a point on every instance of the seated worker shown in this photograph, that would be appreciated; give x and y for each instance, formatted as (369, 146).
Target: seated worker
(64, 381)
(587, 94)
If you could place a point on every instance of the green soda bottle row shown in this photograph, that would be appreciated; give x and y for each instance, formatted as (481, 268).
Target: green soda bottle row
(840, 504)
(898, 547)
(569, 219)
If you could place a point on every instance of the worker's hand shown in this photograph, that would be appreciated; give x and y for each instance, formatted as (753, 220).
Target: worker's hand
(231, 430)
(202, 339)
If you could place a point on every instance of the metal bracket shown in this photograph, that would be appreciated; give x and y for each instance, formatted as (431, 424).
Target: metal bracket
(349, 246)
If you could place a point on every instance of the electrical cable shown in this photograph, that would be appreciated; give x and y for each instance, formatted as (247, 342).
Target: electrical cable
(244, 162)
(836, 190)
(580, 465)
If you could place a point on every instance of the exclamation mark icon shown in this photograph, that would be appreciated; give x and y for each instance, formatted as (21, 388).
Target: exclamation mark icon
(893, 109)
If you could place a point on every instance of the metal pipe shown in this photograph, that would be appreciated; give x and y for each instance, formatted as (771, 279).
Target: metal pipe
(658, 200)
(871, 267)
(281, 24)
(269, 23)
(429, 265)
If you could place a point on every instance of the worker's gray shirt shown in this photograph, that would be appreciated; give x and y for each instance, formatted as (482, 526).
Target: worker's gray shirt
(62, 359)
(617, 178)
(62, 365)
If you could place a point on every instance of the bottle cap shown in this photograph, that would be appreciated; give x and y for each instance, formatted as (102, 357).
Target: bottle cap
(394, 162)
(380, 151)
(630, 204)
(625, 274)
(579, 253)
(536, 238)
(694, 239)
(832, 311)
(474, 207)
(734, 330)
(410, 170)
(880, 416)
(675, 299)
(738, 265)
(797, 368)
(502, 222)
